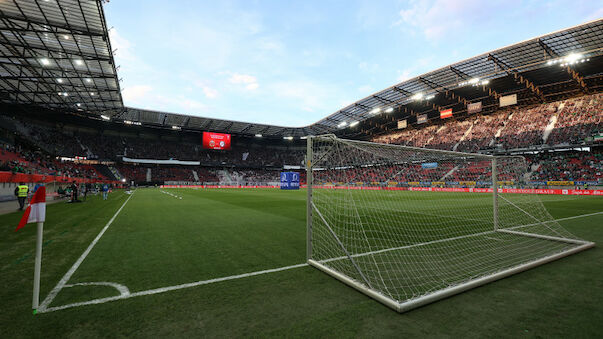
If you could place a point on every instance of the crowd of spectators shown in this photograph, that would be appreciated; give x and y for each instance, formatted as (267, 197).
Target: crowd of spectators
(20, 160)
(578, 119)
(567, 166)
(511, 128)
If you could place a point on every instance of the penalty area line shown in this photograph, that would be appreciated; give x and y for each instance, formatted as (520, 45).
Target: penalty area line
(50, 297)
(169, 288)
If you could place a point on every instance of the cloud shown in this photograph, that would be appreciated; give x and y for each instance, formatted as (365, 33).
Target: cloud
(209, 92)
(366, 89)
(136, 93)
(249, 81)
(147, 96)
(121, 45)
(438, 18)
(309, 96)
(368, 67)
(404, 75)
(252, 86)
(595, 15)
(189, 104)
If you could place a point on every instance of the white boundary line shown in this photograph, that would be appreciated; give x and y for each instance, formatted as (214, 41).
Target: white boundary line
(44, 308)
(169, 288)
(79, 261)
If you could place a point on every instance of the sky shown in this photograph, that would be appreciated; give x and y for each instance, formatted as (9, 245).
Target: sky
(292, 63)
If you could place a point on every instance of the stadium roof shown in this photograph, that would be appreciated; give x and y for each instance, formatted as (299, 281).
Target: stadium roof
(525, 66)
(57, 54)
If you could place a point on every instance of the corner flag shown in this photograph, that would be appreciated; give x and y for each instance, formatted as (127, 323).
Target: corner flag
(36, 210)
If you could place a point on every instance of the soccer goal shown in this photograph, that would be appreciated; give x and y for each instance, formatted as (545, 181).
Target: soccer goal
(409, 226)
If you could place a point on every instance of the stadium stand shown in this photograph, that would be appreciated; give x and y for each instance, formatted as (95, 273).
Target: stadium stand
(569, 122)
(572, 120)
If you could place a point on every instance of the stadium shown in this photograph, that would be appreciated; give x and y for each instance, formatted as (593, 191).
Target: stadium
(464, 201)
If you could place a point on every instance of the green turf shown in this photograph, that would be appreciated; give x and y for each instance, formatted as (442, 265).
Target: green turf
(159, 240)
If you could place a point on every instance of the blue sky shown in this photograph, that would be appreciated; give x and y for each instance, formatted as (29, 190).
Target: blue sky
(291, 63)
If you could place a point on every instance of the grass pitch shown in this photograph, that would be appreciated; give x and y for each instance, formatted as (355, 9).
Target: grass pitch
(159, 240)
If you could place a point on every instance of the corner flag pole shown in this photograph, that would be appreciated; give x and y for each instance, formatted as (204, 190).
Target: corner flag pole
(38, 267)
(36, 212)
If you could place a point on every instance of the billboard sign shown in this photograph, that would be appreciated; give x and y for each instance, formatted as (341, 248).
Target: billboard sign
(219, 141)
(508, 100)
(474, 107)
(289, 180)
(421, 119)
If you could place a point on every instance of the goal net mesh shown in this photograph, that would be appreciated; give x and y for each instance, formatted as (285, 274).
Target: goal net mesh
(395, 219)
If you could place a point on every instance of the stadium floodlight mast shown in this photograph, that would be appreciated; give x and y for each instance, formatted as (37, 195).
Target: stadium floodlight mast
(401, 225)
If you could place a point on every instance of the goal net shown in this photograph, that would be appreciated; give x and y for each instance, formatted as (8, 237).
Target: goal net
(409, 226)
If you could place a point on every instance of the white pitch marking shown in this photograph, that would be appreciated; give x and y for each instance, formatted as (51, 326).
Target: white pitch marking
(494, 239)
(169, 288)
(122, 289)
(50, 297)
(206, 282)
(173, 195)
(561, 219)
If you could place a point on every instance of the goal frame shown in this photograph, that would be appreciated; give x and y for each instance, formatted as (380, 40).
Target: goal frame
(311, 211)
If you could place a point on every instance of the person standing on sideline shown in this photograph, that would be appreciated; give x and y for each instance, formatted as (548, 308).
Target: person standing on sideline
(21, 192)
(105, 191)
(74, 189)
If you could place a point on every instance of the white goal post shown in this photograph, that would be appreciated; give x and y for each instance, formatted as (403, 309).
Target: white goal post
(408, 226)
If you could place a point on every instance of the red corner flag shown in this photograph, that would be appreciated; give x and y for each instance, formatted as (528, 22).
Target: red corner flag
(36, 210)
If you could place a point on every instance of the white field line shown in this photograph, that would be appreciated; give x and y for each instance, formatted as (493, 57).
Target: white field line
(561, 219)
(173, 195)
(494, 239)
(123, 290)
(50, 297)
(170, 288)
(245, 275)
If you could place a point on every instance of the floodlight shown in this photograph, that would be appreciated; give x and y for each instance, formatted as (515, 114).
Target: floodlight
(354, 123)
(375, 110)
(45, 62)
(417, 96)
(342, 124)
(104, 117)
(258, 135)
(389, 110)
(572, 57)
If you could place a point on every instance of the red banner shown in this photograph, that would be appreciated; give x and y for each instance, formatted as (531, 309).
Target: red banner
(22, 177)
(219, 141)
(446, 113)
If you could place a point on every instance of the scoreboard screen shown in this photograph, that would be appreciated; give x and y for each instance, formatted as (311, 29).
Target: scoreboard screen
(219, 141)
